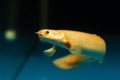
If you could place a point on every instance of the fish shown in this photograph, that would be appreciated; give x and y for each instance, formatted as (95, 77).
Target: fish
(76, 42)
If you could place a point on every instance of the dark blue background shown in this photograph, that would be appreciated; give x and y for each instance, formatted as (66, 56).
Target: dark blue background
(23, 59)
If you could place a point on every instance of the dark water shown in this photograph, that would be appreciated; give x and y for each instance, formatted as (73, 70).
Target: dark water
(23, 60)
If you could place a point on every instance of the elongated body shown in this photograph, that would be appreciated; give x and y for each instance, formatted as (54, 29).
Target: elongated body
(75, 42)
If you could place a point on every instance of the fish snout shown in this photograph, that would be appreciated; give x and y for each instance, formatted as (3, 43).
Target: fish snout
(38, 33)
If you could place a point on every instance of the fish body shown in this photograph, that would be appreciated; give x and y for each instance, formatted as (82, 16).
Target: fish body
(75, 42)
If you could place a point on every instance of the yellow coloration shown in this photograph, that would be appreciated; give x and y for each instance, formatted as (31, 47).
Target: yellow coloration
(10, 35)
(76, 42)
(71, 61)
(51, 51)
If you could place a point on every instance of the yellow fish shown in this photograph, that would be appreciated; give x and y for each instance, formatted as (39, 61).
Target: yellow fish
(90, 46)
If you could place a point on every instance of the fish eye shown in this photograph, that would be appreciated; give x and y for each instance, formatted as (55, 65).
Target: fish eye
(47, 32)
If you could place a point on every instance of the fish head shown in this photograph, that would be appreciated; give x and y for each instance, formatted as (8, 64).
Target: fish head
(51, 36)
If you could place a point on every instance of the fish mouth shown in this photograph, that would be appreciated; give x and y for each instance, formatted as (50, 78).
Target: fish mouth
(36, 32)
(39, 34)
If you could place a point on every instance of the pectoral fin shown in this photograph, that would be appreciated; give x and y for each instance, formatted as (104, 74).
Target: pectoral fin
(51, 51)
